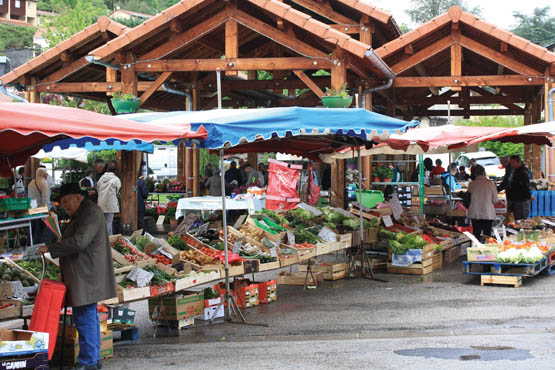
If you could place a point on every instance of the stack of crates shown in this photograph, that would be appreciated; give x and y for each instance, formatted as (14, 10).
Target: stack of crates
(246, 295)
(267, 291)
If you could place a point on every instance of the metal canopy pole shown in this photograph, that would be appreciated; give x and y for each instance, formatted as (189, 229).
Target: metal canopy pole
(224, 218)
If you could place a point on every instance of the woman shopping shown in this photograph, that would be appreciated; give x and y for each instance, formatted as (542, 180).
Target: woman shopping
(483, 196)
(108, 187)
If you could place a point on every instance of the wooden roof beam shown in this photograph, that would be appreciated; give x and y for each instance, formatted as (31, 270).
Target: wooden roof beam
(154, 86)
(474, 112)
(498, 57)
(422, 55)
(240, 64)
(66, 71)
(446, 81)
(325, 10)
(309, 83)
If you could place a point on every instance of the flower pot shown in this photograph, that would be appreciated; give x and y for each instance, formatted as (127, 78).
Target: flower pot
(376, 179)
(387, 180)
(337, 101)
(173, 222)
(126, 105)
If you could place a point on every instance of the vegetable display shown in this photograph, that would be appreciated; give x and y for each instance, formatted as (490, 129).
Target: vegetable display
(160, 277)
(252, 232)
(35, 267)
(279, 219)
(514, 255)
(129, 251)
(303, 235)
(403, 242)
(141, 241)
(162, 259)
(304, 245)
(10, 273)
(178, 243)
(198, 258)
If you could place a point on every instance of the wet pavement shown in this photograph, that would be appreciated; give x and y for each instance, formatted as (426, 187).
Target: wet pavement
(443, 320)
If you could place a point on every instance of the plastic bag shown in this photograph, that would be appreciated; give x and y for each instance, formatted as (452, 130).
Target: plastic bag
(282, 185)
(313, 189)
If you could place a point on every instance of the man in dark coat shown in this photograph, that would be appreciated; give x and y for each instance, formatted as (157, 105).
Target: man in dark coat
(231, 175)
(87, 270)
(518, 191)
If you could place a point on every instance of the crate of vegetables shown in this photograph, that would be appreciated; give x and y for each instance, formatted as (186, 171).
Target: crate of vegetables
(125, 253)
(287, 256)
(34, 267)
(305, 250)
(272, 230)
(199, 261)
(235, 262)
(253, 250)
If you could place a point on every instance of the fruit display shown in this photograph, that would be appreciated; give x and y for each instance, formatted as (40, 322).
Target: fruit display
(129, 251)
(304, 245)
(220, 255)
(161, 259)
(11, 273)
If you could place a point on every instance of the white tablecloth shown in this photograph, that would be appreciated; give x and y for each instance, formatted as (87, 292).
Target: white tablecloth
(215, 204)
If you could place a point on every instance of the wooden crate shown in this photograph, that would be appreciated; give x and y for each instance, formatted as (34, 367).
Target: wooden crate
(431, 261)
(299, 278)
(355, 211)
(452, 254)
(132, 294)
(330, 271)
(287, 260)
(515, 281)
(276, 238)
(371, 235)
(306, 254)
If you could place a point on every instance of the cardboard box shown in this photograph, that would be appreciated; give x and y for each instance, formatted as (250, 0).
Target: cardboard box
(209, 313)
(122, 315)
(71, 348)
(483, 254)
(29, 361)
(106, 344)
(14, 342)
(177, 307)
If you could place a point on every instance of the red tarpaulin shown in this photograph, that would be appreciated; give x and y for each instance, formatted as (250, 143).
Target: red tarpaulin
(25, 128)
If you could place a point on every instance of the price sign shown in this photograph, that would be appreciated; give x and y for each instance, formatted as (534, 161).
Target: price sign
(237, 246)
(514, 232)
(504, 233)
(343, 212)
(387, 221)
(273, 252)
(290, 238)
(203, 229)
(497, 236)
(327, 235)
(309, 208)
(163, 253)
(140, 276)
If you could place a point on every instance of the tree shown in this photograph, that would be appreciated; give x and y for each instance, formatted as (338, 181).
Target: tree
(424, 10)
(73, 16)
(538, 27)
(16, 37)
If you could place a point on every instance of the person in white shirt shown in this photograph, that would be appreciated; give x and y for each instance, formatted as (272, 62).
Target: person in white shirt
(109, 186)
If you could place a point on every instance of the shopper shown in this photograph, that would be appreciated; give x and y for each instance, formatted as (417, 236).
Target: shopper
(214, 183)
(518, 191)
(448, 179)
(253, 176)
(483, 196)
(438, 170)
(39, 191)
(142, 195)
(87, 181)
(462, 175)
(508, 171)
(233, 176)
(87, 270)
(473, 165)
(17, 185)
(398, 172)
(99, 168)
(108, 187)
(264, 171)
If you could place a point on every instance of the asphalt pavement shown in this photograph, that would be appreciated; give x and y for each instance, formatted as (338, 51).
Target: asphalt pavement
(444, 320)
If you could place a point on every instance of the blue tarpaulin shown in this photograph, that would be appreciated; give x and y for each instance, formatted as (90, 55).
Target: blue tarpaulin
(228, 128)
(92, 144)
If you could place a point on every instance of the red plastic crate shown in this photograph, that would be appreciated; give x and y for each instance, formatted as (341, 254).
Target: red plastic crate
(264, 290)
(46, 312)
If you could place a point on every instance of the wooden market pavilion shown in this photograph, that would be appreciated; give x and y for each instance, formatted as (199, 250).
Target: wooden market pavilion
(304, 46)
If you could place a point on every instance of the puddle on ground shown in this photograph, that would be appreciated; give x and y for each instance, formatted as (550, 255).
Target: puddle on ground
(474, 353)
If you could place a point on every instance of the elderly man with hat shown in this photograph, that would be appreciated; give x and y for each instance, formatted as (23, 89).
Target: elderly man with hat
(87, 270)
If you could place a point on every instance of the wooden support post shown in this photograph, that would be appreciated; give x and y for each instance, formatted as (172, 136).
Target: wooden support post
(111, 76)
(196, 165)
(181, 160)
(130, 164)
(31, 167)
(231, 43)
(338, 183)
(252, 159)
(338, 70)
(31, 93)
(196, 92)
(456, 54)
(365, 31)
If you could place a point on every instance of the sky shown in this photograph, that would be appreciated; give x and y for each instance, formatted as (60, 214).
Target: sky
(498, 12)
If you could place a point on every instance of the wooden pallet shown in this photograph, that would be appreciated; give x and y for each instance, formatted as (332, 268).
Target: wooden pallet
(515, 281)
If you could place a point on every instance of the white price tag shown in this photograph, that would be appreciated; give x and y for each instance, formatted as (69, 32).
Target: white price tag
(273, 252)
(163, 253)
(343, 212)
(309, 208)
(547, 222)
(514, 232)
(387, 221)
(396, 207)
(140, 276)
(290, 238)
(497, 236)
(237, 246)
(504, 233)
(327, 235)
(203, 229)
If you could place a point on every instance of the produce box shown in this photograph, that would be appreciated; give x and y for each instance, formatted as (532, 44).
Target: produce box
(196, 278)
(246, 295)
(299, 278)
(161, 289)
(134, 255)
(431, 261)
(9, 308)
(121, 315)
(483, 254)
(14, 204)
(27, 361)
(16, 342)
(106, 344)
(267, 291)
(277, 238)
(371, 234)
(330, 271)
(176, 307)
(452, 254)
(210, 313)
(287, 256)
(132, 294)
(71, 348)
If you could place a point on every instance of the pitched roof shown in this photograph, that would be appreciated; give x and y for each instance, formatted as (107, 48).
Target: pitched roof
(15, 22)
(371, 11)
(102, 25)
(456, 14)
(132, 13)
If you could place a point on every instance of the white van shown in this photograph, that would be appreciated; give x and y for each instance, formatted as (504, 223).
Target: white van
(488, 160)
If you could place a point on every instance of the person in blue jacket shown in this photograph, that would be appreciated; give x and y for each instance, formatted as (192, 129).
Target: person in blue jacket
(449, 182)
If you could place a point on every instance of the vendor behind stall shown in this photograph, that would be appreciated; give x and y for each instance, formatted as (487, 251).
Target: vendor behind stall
(398, 172)
(483, 196)
(518, 191)
(214, 183)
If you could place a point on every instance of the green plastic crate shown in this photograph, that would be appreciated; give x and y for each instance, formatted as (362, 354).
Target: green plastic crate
(370, 198)
(14, 204)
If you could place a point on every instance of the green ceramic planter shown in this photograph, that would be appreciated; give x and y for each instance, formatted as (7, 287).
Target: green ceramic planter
(126, 105)
(337, 101)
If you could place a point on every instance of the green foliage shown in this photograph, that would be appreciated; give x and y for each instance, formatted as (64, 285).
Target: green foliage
(342, 92)
(15, 37)
(499, 148)
(145, 6)
(264, 75)
(131, 22)
(423, 10)
(73, 16)
(205, 158)
(538, 27)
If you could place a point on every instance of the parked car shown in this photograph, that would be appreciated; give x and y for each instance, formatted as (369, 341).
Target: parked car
(488, 160)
